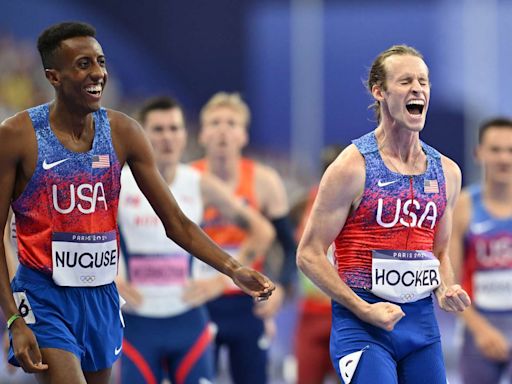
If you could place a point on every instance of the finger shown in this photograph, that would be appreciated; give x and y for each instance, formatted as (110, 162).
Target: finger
(28, 365)
(455, 303)
(464, 297)
(263, 281)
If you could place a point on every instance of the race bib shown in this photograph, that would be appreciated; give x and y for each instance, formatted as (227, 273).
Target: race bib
(159, 270)
(492, 290)
(404, 276)
(84, 259)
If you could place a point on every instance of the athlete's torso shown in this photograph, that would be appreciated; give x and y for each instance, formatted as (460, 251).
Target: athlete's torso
(487, 274)
(396, 212)
(223, 230)
(157, 266)
(69, 205)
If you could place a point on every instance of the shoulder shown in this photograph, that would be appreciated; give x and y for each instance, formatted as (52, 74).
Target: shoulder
(16, 131)
(128, 137)
(453, 179)
(16, 124)
(121, 122)
(348, 166)
(451, 168)
(266, 174)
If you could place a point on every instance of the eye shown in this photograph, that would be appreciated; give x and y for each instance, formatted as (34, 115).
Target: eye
(102, 62)
(83, 63)
(157, 128)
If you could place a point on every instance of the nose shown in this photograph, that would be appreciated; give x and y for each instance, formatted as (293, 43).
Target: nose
(416, 86)
(97, 71)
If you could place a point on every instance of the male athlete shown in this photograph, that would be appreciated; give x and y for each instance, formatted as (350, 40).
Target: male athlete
(158, 270)
(241, 324)
(386, 202)
(481, 249)
(60, 166)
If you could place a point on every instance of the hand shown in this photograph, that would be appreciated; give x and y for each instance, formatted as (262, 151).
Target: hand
(492, 343)
(198, 292)
(269, 308)
(129, 292)
(26, 349)
(383, 315)
(453, 298)
(253, 283)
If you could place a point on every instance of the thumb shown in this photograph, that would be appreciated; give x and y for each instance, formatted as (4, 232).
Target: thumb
(35, 354)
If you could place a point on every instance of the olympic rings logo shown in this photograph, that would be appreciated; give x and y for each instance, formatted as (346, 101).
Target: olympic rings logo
(407, 296)
(87, 279)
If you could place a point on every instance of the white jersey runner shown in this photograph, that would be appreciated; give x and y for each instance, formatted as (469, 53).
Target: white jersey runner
(156, 266)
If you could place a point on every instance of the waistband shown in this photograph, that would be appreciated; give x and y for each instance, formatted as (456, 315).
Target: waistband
(34, 276)
(31, 275)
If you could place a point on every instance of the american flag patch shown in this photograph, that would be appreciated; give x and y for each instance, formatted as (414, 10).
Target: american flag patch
(431, 186)
(100, 161)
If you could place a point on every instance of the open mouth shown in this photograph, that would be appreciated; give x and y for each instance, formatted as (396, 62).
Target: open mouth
(415, 107)
(94, 90)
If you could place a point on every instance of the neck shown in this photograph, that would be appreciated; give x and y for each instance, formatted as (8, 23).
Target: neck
(168, 172)
(398, 142)
(224, 168)
(498, 192)
(65, 119)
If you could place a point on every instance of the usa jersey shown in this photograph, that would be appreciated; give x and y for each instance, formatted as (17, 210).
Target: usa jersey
(396, 212)
(487, 273)
(66, 216)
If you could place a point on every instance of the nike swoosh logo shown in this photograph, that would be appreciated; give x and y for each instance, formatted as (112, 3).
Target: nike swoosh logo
(385, 183)
(47, 166)
(482, 227)
(117, 351)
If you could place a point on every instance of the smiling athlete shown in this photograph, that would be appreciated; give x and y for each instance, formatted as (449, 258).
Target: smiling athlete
(60, 167)
(386, 202)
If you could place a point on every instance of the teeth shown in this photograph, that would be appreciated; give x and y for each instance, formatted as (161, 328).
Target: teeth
(93, 88)
(416, 102)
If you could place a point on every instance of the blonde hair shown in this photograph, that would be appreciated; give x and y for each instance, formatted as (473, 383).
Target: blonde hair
(229, 100)
(377, 74)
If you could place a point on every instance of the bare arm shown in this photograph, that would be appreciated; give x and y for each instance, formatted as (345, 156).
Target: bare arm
(340, 188)
(13, 149)
(260, 231)
(10, 257)
(274, 205)
(451, 296)
(491, 342)
(133, 147)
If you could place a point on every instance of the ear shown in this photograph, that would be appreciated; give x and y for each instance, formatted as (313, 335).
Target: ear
(377, 92)
(53, 76)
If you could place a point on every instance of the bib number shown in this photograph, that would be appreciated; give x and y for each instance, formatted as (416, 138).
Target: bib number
(84, 259)
(159, 270)
(404, 276)
(492, 290)
(24, 308)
